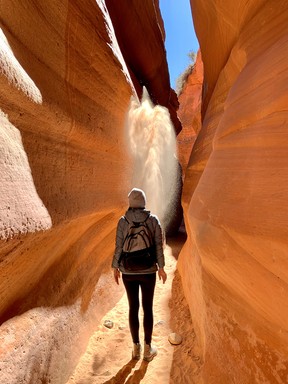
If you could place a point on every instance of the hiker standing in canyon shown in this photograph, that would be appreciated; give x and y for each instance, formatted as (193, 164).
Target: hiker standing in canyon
(138, 256)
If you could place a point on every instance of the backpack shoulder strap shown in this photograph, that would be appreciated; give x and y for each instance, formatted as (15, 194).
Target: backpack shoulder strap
(147, 218)
(129, 226)
(148, 228)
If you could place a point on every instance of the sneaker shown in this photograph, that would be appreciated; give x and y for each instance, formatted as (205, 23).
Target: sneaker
(136, 351)
(150, 351)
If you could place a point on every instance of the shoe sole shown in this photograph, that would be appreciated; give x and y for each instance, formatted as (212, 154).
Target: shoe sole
(150, 358)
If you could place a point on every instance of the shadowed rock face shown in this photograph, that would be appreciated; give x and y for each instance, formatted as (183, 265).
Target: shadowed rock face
(65, 174)
(234, 264)
(142, 46)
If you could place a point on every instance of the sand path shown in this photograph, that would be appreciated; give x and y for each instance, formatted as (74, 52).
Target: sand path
(108, 355)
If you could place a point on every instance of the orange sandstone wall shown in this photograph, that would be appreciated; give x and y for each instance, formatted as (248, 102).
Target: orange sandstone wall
(64, 178)
(190, 102)
(234, 264)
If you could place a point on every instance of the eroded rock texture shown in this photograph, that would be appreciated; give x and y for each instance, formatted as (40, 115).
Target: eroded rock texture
(234, 264)
(190, 102)
(65, 173)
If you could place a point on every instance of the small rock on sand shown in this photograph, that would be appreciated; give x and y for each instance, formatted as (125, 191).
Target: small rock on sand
(175, 339)
(108, 324)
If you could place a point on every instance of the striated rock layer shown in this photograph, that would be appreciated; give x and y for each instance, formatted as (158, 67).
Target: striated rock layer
(234, 264)
(65, 174)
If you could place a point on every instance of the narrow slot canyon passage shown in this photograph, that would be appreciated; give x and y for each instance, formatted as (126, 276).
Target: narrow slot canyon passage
(91, 107)
(107, 358)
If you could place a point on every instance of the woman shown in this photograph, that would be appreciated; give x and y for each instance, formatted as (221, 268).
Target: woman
(145, 278)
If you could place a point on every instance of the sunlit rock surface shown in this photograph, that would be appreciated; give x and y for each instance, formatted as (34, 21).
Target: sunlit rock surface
(234, 264)
(65, 174)
(190, 101)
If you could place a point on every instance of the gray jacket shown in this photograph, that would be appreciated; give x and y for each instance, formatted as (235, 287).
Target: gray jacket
(139, 215)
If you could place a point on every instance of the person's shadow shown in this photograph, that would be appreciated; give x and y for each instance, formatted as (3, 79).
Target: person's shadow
(123, 373)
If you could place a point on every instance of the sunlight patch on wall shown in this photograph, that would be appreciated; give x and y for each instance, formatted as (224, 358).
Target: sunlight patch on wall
(21, 209)
(15, 73)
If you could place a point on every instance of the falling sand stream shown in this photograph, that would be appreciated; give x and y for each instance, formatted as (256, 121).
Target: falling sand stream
(152, 143)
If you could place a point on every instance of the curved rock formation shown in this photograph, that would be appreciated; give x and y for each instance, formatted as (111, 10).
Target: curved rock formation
(65, 89)
(234, 264)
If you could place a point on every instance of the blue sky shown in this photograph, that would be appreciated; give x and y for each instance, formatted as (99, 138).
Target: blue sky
(180, 35)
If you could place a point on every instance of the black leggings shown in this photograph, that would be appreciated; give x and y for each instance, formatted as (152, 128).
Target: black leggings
(147, 284)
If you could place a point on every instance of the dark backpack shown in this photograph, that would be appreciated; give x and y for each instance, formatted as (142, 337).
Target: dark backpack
(138, 247)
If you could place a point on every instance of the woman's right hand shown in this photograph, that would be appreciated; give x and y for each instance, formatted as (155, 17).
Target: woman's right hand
(162, 275)
(116, 275)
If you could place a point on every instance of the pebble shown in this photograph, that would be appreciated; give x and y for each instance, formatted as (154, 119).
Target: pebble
(175, 339)
(108, 324)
